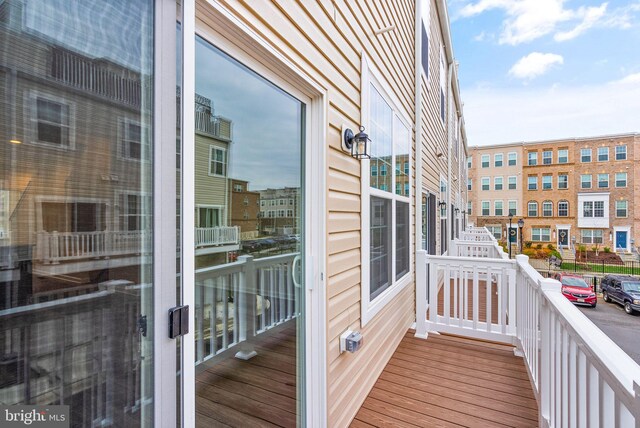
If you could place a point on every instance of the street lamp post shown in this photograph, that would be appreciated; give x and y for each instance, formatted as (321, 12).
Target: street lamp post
(520, 226)
(509, 234)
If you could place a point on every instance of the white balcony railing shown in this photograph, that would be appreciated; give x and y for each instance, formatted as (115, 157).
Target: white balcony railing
(239, 300)
(580, 376)
(54, 247)
(221, 235)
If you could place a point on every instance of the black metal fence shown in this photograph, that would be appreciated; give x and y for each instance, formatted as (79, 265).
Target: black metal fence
(599, 267)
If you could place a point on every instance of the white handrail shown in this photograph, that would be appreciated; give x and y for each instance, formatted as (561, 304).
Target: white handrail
(580, 376)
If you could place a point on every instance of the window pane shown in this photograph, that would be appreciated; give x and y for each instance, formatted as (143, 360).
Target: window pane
(381, 129)
(380, 246)
(402, 157)
(402, 239)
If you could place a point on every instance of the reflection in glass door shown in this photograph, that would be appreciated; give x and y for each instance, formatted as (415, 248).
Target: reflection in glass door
(249, 350)
(76, 174)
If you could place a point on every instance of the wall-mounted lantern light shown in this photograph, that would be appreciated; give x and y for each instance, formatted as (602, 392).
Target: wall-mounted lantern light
(442, 204)
(358, 144)
(457, 210)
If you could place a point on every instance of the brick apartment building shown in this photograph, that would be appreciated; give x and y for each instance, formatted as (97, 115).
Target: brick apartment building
(568, 191)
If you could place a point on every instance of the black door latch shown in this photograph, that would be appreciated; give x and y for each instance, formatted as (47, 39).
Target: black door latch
(178, 321)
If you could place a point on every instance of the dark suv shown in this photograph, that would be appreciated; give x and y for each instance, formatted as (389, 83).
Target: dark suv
(622, 289)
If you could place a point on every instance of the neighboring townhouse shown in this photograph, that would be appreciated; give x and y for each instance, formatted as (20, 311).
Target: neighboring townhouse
(239, 245)
(495, 188)
(606, 192)
(568, 191)
(549, 192)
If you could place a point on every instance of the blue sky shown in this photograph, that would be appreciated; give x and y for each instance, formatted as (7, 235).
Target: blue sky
(543, 69)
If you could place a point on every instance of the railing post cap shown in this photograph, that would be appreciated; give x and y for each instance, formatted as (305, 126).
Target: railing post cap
(245, 258)
(523, 258)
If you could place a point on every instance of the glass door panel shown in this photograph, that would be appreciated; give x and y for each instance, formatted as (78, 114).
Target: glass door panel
(76, 174)
(249, 344)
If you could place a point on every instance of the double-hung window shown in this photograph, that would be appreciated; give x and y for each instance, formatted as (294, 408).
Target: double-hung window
(563, 181)
(497, 183)
(603, 181)
(486, 208)
(52, 119)
(547, 209)
(532, 182)
(598, 209)
(563, 209)
(496, 231)
(513, 207)
(485, 160)
(621, 179)
(497, 160)
(486, 183)
(532, 158)
(469, 162)
(469, 183)
(603, 154)
(469, 205)
(592, 236)
(563, 156)
(547, 182)
(513, 159)
(621, 208)
(585, 181)
(585, 155)
(133, 141)
(587, 209)
(387, 200)
(621, 152)
(532, 209)
(498, 208)
(513, 183)
(217, 161)
(547, 157)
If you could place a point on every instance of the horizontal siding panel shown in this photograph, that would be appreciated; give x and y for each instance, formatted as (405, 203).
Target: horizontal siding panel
(343, 222)
(339, 242)
(343, 261)
(345, 202)
(342, 281)
(338, 180)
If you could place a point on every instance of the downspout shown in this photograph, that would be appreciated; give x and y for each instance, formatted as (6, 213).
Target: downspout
(418, 125)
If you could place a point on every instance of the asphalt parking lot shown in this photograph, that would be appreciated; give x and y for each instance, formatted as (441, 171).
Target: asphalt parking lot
(615, 323)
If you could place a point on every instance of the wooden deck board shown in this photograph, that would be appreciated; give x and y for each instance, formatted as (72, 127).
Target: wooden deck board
(451, 381)
(260, 392)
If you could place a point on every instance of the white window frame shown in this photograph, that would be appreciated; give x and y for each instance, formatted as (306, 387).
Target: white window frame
(515, 156)
(566, 156)
(31, 112)
(566, 184)
(488, 180)
(495, 160)
(145, 134)
(550, 210)
(212, 148)
(626, 179)
(535, 182)
(550, 179)
(532, 156)
(369, 308)
(626, 208)
(529, 204)
(563, 202)
(482, 204)
(544, 152)
(495, 183)
(515, 182)
(540, 234)
(598, 154)
(495, 208)
(625, 151)
(598, 181)
(515, 207)
(582, 155)
(488, 157)
(590, 181)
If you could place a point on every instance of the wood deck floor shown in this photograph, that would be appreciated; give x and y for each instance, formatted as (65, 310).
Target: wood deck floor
(260, 392)
(449, 381)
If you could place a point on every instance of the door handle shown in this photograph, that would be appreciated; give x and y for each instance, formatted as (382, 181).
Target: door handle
(294, 269)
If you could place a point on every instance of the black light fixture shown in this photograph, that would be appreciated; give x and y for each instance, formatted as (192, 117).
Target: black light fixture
(442, 204)
(510, 232)
(357, 144)
(520, 226)
(457, 210)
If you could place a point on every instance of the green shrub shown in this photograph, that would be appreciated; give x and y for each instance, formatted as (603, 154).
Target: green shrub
(538, 246)
(528, 244)
(551, 247)
(582, 248)
(557, 254)
(607, 249)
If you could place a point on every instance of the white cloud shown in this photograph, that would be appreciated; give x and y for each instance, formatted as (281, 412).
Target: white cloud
(527, 20)
(535, 64)
(591, 16)
(631, 78)
(480, 37)
(495, 116)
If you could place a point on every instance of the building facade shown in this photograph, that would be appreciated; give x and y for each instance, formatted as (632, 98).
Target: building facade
(237, 243)
(573, 191)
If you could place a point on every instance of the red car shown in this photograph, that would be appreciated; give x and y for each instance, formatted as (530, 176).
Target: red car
(575, 288)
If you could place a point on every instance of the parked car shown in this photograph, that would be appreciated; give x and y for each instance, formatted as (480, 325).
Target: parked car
(622, 289)
(576, 289)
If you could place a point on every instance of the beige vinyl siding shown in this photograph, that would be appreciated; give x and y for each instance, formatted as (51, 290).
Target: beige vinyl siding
(209, 189)
(326, 40)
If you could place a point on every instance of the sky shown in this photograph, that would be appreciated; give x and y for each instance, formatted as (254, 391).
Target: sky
(547, 69)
